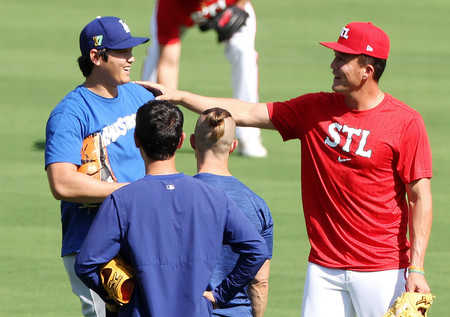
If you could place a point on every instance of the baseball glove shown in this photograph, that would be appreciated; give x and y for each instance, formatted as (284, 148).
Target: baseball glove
(118, 280)
(410, 304)
(94, 159)
(226, 22)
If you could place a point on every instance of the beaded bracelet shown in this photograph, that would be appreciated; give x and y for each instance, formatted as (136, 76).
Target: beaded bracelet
(416, 269)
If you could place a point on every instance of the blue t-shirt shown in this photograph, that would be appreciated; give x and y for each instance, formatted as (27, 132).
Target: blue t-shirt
(257, 211)
(170, 228)
(78, 115)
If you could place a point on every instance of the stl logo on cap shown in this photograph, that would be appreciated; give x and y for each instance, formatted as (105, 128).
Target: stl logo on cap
(344, 33)
(361, 38)
(98, 40)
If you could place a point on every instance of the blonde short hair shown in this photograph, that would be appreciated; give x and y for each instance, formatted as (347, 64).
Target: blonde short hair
(215, 130)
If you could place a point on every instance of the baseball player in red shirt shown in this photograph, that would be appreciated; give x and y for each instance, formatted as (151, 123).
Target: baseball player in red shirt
(366, 169)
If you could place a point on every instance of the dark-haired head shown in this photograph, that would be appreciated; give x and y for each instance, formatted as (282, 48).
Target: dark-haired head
(159, 127)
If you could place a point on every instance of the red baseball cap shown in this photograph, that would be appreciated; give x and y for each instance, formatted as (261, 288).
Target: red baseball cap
(361, 38)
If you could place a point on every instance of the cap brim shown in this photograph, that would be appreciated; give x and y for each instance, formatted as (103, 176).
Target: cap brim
(340, 48)
(129, 42)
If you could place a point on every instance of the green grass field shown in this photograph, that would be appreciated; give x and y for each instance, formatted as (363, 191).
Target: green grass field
(39, 48)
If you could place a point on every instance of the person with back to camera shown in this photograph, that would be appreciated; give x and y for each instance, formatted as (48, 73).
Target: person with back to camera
(213, 142)
(170, 227)
(365, 172)
(103, 106)
(170, 20)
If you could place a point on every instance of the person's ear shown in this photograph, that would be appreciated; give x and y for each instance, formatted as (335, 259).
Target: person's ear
(369, 71)
(233, 145)
(192, 140)
(136, 141)
(180, 144)
(95, 58)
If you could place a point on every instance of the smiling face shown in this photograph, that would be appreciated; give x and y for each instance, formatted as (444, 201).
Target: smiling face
(348, 73)
(116, 71)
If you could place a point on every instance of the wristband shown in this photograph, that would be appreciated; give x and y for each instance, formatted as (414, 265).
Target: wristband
(416, 269)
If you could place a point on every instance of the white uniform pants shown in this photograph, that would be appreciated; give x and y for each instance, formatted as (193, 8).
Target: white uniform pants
(91, 304)
(344, 293)
(240, 52)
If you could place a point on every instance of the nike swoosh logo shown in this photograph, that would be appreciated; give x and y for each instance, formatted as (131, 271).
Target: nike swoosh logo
(340, 159)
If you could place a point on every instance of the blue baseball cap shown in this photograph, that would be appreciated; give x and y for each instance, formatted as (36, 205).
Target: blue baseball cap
(108, 32)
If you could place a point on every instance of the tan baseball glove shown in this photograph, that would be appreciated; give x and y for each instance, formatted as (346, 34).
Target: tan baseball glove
(118, 280)
(410, 304)
(94, 159)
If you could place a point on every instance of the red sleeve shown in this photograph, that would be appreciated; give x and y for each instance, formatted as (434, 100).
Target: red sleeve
(170, 19)
(414, 152)
(172, 15)
(294, 117)
(286, 118)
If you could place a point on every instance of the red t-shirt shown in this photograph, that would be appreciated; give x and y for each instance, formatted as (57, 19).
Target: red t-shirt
(355, 165)
(172, 15)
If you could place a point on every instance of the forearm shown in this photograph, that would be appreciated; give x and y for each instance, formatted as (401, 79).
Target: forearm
(258, 294)
(82, 190)
(247, 266)
(420, 215)
(258, 291)
(197, 103)
(69, 185)
(420, 220)
(244, 113)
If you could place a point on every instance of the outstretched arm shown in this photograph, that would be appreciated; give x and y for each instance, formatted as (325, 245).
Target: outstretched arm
(244, 113)
(420, 219)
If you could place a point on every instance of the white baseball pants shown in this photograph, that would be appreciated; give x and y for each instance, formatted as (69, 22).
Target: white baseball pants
(344, 293)
(91, 304)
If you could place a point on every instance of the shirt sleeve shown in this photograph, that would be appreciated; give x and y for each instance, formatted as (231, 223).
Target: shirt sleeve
(288, 116)
(267, 232)
(63, 139)
(415, 152)
(101, 245)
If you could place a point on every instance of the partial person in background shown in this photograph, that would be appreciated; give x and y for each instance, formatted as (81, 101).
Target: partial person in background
(213, 142)
(106, 103)
(170, 228)
(365, 172)
(170, 19)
